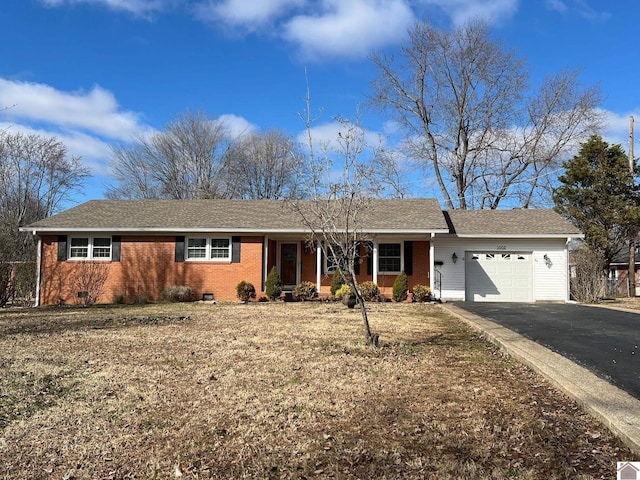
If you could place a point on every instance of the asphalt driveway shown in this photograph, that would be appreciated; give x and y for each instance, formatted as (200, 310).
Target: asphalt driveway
(605, 341)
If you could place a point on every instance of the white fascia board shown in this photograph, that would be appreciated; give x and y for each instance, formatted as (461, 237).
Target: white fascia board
(520, 235)
(216, 230)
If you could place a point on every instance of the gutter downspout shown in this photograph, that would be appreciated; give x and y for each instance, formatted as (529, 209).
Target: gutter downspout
(38, 270)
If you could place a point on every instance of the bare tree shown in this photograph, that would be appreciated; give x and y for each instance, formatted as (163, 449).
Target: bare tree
(588, 282)
(37, 176)
(464, 104)
(89, 280)
(187, 160)
(338, 188)
(264, 166)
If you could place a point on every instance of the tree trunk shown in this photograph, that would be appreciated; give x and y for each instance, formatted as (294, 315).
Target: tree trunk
(370, 337)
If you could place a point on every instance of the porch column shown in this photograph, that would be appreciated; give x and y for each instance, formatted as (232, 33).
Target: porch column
(432, 265)
(318, 266)
(375, 261)
(265, 259)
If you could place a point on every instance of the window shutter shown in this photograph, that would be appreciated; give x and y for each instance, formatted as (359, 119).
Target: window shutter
(408, 257)
(235, 249)
(62, 248)
(369, 258)
(356, 260)
(115, 248)
(180, 249)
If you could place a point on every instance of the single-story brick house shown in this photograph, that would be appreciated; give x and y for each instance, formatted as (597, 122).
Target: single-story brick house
(211, 245)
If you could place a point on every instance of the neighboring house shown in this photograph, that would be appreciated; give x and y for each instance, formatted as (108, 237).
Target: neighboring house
(211, 245)
(618, 280)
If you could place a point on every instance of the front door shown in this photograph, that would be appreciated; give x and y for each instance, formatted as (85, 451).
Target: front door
(288, 263)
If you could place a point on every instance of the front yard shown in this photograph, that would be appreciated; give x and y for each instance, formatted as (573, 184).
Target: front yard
(278, 391)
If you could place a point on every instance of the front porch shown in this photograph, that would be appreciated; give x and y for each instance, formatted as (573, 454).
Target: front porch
(380, 260)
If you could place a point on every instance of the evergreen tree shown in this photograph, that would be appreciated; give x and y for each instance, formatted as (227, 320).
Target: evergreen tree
(273, 285)
(598, 194)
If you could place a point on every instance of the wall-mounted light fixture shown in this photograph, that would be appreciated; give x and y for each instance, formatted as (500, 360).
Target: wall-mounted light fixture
(547, 261)
(454, 257)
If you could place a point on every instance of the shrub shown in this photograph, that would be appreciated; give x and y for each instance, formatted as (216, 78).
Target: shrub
(400, 287)
(273, 285)
(178, 293)
(337, 281)
(370, 291)
(421, 293)
(140, 299)
(24, 280)
(119, 299)
(343, 291)
(245, 291)
(305, 291)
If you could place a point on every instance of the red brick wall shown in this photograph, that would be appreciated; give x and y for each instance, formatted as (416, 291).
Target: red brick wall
(147, 267)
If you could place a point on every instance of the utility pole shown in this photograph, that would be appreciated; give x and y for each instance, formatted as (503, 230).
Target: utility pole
(632, 242)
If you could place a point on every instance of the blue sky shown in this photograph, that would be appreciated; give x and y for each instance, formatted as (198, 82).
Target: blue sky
(98, 72)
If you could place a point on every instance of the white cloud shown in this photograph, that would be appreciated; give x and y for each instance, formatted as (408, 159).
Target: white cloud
(243, 13)
(580, 7)
(556, 5)
(326, 135)
(86, 122)
(237, 125)
(136, 7)
(461, 11)
(93, 151)
(349, 28)
(616, 130)
(95, 111)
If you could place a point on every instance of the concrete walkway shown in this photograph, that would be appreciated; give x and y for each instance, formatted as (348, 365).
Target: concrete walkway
(614, 407)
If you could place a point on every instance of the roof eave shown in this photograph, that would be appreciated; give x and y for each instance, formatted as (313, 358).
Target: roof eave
(518, 235)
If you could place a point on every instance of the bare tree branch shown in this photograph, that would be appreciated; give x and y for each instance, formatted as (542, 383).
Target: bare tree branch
(468, 116)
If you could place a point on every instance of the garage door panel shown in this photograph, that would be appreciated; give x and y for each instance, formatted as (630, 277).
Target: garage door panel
(499, 276)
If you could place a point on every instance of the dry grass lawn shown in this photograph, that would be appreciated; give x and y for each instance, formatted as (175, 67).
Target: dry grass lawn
(278, 391)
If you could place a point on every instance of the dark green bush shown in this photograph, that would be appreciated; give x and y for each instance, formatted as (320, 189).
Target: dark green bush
(400, 287)
(273, 285)
(245, 291)
(370, 291)
(336, 282)
(305, 291)
(421, 293)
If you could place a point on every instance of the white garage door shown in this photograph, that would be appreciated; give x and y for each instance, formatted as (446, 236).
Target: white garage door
(499, 277)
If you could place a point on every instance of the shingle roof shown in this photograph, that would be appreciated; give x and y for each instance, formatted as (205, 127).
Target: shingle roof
(417, 215)
(510, 223)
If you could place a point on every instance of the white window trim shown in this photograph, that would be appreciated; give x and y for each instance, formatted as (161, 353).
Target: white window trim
(383, 272)
(207, 257)
(90, 248)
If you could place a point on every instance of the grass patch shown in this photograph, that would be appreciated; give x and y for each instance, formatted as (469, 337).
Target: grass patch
(275, 390)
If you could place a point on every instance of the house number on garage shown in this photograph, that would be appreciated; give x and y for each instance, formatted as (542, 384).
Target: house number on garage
(501, 247)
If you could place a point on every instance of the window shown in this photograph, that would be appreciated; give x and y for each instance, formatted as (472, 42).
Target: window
(101, 248)
(87, 248)
(330, 261)
(201, 248)
(220, 249)
(389, 257)
(197, 248)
